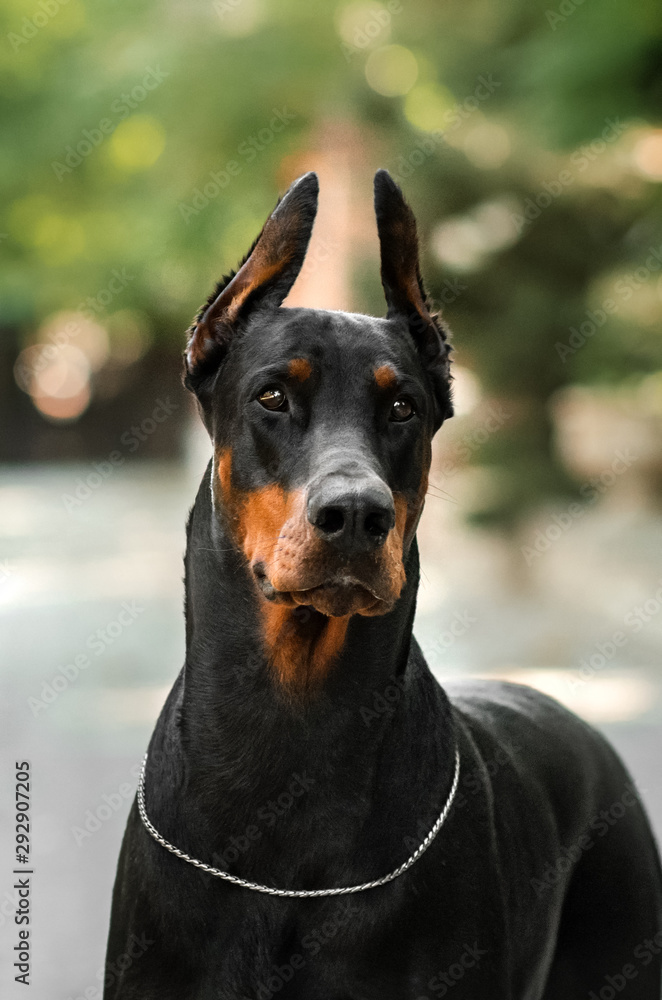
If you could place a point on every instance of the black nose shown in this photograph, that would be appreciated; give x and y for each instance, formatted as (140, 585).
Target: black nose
(354, 517)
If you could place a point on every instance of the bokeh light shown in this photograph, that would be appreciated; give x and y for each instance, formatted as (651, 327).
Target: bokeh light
(487, 145)
(59, 239)
(137, 143)
(463, 242)
(364, 24)
(130, 336)
(56, 372)
(57, 378)
(427, 104)
(647, 155)
(239, 18)
(391, 70)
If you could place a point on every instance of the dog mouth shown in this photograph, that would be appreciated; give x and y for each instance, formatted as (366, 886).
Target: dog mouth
(336, 597)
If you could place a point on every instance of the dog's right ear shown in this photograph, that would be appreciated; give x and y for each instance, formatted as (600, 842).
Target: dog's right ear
(263, 279)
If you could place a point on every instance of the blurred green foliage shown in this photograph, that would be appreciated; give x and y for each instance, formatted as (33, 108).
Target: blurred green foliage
(115, 115)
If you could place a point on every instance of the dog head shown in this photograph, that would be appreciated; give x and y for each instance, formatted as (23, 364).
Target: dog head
(321, 421)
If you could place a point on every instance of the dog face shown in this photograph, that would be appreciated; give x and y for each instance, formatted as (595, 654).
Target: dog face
(321, 421)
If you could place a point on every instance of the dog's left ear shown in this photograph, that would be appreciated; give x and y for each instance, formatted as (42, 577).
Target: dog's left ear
(403, 286)
(263, 280)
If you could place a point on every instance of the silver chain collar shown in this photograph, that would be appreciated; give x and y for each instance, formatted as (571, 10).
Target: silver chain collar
(256, 887)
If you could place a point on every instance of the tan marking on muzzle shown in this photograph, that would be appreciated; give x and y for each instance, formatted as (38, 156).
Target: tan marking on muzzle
(271, 527)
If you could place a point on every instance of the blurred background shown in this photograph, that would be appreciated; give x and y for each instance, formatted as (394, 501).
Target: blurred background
(144, 145)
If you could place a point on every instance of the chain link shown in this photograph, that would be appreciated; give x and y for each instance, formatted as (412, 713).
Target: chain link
(299, 893)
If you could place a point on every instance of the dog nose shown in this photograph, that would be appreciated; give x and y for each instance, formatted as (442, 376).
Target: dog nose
(353, 517)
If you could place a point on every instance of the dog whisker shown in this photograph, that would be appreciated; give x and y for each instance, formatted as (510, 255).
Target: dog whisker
(441, 496)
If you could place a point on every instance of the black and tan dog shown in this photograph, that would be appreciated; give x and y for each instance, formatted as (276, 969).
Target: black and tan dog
(301, 577)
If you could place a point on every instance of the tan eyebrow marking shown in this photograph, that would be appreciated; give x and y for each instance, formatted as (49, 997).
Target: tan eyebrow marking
(299, 369)
(385, 377)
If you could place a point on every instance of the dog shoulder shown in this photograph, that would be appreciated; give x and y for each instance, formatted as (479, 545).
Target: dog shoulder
(543, 741)
(492, 700)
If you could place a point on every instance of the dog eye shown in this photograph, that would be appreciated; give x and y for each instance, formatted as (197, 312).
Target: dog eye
(402, 409)
(272, 398)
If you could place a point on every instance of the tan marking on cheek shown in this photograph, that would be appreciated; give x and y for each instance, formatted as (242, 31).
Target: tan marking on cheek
(385, 377)
(224, 470)
(395, 542)
(300, 369)
(262, 519)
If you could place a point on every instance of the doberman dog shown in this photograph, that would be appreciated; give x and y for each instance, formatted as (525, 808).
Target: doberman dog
(494, 844)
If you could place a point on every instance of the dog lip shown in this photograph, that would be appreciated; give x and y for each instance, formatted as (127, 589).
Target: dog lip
(338, 598)
(335, 586)
(342, 588)
(338, 583)
(266, 586)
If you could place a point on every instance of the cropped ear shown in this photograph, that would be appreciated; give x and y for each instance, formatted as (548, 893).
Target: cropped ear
(264, 278)
(403, 285)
